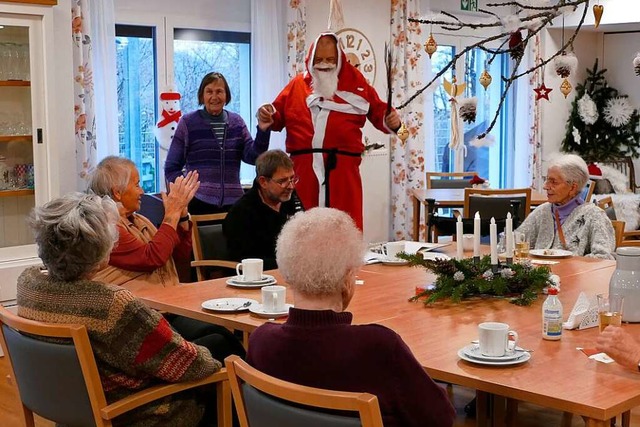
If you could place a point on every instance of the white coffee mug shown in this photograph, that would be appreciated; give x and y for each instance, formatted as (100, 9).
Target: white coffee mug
(250, 269)
(392, 249)
(494, 339)
(467, 242)
(274, 298)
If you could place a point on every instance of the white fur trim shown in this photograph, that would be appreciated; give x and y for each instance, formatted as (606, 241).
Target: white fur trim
(618, 180)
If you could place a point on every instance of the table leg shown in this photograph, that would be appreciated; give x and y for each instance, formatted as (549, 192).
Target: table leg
(482, 408)
(416, 219)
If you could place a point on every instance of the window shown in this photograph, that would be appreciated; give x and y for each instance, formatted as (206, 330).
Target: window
(137, 101)
(489, 161)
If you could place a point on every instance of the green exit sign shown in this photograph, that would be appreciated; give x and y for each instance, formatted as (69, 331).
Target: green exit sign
(471, 5)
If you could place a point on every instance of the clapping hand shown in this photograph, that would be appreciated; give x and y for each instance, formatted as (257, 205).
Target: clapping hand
(180, 194)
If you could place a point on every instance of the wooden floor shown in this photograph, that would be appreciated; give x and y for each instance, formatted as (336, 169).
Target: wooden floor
(528, 415)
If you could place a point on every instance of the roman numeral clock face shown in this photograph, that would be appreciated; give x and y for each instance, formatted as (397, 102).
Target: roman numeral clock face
(359, 52)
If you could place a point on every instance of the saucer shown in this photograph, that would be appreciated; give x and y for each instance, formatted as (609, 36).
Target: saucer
(523, 357)
(473, 351)
(258, 310)
(393, 261)
(229, 305)
(265, 281)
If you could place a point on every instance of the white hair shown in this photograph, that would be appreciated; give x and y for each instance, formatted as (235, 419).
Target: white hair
(318, 250)
(572, 167)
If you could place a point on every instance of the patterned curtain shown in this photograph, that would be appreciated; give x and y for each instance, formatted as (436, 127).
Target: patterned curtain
(407, 158)
(83, 91)
(535, 141)
(296, 36)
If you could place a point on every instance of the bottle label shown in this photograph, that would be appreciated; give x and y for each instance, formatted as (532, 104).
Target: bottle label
(552, 328)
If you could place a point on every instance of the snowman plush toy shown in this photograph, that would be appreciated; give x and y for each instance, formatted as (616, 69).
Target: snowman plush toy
(169, 117)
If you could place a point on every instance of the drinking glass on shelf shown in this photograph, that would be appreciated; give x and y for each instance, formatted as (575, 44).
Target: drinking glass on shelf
(610, 310)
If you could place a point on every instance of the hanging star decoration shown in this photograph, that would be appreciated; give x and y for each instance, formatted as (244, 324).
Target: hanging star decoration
(542, 92)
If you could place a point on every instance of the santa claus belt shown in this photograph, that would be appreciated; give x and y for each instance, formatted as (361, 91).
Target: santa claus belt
(332, 161)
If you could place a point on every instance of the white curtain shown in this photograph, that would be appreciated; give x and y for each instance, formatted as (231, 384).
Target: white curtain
(407, 158)
(296, 14)
(94, 64)
(268, 51)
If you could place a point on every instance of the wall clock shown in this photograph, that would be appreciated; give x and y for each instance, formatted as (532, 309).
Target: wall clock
(359, 52)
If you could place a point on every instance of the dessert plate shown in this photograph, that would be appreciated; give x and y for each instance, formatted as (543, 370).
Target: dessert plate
(258, 310)
(229, 305)
(550, 253)
(524, 356)
(265, 281)
(473, 351)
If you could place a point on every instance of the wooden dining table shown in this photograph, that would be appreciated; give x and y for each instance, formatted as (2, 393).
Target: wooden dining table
(450, 198)
(557, 375)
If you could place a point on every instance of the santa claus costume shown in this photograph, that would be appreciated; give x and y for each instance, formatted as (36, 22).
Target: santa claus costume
(324, 136)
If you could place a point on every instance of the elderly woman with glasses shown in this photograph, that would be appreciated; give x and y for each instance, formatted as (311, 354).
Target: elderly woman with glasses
(254, 222)
(134, 346)
(566, 221)
(213, 141)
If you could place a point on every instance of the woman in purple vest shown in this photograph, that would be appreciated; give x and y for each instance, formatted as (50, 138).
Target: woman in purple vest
(213, 141)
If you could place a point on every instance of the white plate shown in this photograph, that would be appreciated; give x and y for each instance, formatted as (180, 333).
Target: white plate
(434, 255)
(523, 358)
(228, 304)
(473, 350)
(265, 278)
(258, 310)
(550, 253)
(393, 261)
(251, 285)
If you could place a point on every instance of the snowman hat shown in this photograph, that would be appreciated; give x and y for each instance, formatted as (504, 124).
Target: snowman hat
(169, 94)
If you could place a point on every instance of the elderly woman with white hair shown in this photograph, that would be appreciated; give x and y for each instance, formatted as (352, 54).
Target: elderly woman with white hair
(317, 346)
(566, 221)
(133, 345)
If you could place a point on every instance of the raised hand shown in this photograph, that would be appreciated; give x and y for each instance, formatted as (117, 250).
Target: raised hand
(265, 116)
(181, 191)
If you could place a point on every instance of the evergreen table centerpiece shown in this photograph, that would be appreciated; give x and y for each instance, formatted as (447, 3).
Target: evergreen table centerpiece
(458, 279)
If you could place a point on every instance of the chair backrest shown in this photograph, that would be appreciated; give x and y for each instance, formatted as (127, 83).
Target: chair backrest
(209, 243)
(152, 208)
(587, 191)
(54, 370)
(626, 167)
(449, 179)
(496, 203)
(264, 401)
(618, 230)
(606, 203)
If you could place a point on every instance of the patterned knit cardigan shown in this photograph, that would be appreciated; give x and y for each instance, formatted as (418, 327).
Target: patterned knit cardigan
(134, 346)
(587, 230)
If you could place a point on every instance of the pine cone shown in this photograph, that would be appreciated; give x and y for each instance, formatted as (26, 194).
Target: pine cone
(516, 47)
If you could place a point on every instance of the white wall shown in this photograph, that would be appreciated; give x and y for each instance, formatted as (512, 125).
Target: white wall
(213, 11)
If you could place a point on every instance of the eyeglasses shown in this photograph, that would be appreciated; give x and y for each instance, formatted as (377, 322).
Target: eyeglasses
(286, 182)
(555, 182)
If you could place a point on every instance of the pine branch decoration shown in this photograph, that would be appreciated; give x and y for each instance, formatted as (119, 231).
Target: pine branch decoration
(460, 279)
(600, 140)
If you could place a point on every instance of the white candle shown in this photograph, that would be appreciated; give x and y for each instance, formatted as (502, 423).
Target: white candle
(508, 231)
(459, 238)
(493, 240)
(476, 235)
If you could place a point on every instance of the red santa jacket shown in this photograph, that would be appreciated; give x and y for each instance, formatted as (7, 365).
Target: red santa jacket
(315, 123)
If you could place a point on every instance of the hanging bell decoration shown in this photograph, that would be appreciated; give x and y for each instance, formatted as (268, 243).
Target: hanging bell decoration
(565, 88)
(403, 133)
(430, 45)
(485, 79)
(597, 13)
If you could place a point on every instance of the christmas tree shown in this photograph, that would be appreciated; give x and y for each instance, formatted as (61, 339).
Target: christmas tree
(603, 124)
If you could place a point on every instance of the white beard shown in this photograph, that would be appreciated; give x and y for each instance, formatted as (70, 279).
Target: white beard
(324, 83)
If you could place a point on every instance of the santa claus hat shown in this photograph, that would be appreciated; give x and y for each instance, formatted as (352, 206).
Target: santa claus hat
(169, 93)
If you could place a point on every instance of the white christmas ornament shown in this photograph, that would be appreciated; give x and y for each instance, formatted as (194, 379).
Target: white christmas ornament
(618, 111)
(587, 110)
(565, 64)
(169, 116)
(576, 135)
(636, 64)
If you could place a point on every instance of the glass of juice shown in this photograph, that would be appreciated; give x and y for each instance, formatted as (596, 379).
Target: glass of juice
(610, 310)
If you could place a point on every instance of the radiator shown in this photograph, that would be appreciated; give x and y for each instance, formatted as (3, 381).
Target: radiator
(376, 188)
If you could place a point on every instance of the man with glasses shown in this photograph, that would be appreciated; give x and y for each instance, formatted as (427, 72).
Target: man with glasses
(254, 222)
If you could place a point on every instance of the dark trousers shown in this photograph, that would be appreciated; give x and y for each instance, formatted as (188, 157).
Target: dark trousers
(217, 339)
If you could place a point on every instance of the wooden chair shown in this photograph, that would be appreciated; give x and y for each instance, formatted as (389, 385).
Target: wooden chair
(618, 230)
(264, 401)
(626, 167)
(59, 379)
(606, 203)
(587, 191)
(209, 245)
(449, 179)
(496, 203)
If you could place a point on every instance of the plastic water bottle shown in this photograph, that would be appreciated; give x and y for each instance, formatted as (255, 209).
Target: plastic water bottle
(552, 316)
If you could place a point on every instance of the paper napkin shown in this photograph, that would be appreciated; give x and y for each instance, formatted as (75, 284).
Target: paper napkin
(584, 313)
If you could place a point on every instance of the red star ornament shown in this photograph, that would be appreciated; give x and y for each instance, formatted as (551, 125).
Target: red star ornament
(542, 92)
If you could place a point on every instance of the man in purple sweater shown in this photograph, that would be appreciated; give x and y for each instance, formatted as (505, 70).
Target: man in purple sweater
(317, 346)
